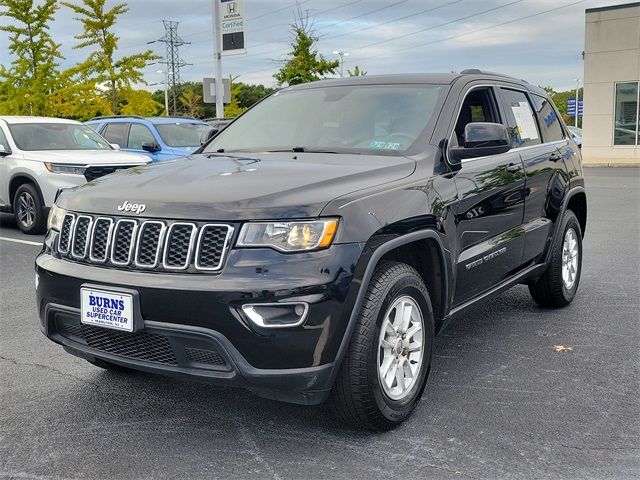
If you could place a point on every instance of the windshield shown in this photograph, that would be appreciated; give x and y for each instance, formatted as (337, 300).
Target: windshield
(57, 136)
(344, 119)
(184, 134)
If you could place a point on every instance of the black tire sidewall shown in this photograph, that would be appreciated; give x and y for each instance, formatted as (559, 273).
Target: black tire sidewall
(570, 222)
(397, 410)
(39, 221)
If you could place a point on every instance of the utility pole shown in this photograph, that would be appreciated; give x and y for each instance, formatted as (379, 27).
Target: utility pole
(217, 52)
(341, 54)
(577, 80)
(173, 62)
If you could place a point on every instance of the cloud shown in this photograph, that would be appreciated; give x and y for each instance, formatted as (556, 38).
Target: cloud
(381, 36)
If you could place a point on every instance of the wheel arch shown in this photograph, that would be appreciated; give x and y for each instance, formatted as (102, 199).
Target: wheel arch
(399, 248)
(577, 203)
(19, 179)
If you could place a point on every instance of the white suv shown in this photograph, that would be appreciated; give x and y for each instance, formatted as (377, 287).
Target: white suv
(40, 155)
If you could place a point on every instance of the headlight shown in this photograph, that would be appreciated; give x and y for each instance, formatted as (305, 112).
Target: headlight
(65, 168)
(289, 236)
(56, 217)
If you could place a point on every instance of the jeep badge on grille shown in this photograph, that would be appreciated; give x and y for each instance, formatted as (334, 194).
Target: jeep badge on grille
(136, 208)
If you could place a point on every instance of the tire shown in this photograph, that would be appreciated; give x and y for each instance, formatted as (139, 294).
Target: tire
(551, 289)
(112, 367)
(28, 209)
(358, 396)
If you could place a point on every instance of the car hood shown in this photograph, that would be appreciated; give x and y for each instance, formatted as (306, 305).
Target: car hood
(218, 187)
(87, 157)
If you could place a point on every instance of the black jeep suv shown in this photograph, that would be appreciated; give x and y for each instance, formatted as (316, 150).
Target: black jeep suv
(314, 248)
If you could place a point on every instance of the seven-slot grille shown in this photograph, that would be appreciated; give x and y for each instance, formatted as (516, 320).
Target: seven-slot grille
(144, 244)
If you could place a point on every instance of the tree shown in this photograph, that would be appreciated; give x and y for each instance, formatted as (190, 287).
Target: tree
(139, 102)
(357, 72)
(192, 102)
(304, 64)
(101, 65)
(33, 75)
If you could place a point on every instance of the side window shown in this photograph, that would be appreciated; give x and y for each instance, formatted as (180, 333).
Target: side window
(520, 120)
(139, 134)
(547, 119)
(115, 133)
(3, 142)
(479, 106)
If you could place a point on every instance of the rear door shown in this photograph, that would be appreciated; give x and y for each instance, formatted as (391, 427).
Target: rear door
(538, 136)
(490, 204)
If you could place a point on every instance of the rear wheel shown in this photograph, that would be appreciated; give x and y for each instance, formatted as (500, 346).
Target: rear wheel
(558, 285)
(385, 370)
(28, 209)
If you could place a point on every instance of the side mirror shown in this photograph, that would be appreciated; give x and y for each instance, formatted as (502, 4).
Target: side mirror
(115, 146)
(4, 151)
(150, 147)
(482, 139)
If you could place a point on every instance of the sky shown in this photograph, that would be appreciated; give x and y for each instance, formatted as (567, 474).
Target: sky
(540, 41)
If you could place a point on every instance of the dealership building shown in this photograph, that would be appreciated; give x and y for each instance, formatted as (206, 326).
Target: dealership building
(611, 85)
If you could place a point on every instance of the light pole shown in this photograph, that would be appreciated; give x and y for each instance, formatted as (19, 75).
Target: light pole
(166, 91)
(577, 80)
(341, 54)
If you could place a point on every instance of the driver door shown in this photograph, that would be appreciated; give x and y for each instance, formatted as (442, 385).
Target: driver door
(490, 209)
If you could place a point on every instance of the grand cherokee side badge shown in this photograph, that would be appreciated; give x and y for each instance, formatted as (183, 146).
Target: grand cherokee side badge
(136, 208)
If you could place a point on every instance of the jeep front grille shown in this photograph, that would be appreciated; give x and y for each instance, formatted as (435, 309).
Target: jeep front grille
(144, 244)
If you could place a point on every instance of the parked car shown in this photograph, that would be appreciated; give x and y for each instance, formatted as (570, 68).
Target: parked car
(39, 155)
(160, 138)
(314, 257)
(576, 134)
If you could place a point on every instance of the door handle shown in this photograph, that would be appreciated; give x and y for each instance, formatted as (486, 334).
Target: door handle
(513, 167)
(555, 157)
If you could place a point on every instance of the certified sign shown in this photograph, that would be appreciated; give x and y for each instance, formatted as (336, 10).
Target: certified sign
(231, 18)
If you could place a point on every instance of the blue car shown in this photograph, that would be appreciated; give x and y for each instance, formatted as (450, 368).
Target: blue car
(161, 138)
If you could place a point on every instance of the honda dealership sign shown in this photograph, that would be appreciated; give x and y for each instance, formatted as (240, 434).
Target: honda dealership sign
(231, 18)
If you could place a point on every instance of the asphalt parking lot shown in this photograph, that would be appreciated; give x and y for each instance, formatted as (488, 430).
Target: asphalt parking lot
(500, 401)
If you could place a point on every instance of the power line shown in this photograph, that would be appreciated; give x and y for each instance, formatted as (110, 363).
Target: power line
(405, 35)
(412, 15)
(452, 37)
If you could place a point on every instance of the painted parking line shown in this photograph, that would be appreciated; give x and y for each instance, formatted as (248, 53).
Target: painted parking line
(24, 242)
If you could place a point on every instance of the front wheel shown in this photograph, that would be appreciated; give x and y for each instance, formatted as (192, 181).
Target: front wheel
(558, 285)
(385, 370)
(28, 209)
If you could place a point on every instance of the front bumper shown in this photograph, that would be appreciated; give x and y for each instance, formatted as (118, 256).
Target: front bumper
(194, 326)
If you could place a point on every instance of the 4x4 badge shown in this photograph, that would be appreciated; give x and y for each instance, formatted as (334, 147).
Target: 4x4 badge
(137, 208)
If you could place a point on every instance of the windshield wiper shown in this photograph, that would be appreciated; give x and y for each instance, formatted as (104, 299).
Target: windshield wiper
(303, 150)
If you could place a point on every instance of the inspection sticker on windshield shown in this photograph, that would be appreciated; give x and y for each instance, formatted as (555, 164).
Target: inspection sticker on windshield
(106, 309)
(378, 145)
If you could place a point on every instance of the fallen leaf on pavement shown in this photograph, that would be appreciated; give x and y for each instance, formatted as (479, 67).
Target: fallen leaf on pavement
(562, 348)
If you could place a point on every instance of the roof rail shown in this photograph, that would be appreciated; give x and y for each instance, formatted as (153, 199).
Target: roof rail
(106, 117)
(477, 71)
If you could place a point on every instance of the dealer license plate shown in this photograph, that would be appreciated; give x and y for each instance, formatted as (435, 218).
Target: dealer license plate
(106, 309)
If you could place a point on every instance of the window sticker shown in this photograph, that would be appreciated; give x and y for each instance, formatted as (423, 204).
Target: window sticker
(524, 119)
(380, 145)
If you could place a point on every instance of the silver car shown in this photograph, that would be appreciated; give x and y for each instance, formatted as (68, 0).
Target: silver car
(40, 155)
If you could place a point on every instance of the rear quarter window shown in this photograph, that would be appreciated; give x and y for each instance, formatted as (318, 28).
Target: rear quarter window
(550, 125)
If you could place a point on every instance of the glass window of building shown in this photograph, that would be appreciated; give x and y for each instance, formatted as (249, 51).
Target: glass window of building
(626, 114)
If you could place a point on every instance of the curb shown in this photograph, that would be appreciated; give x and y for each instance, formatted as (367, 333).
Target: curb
(611, 165)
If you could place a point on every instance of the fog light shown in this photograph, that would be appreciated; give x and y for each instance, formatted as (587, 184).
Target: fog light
(276, 315)
(37, 280)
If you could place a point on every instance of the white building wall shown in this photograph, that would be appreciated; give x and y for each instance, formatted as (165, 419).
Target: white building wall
(612, 54)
